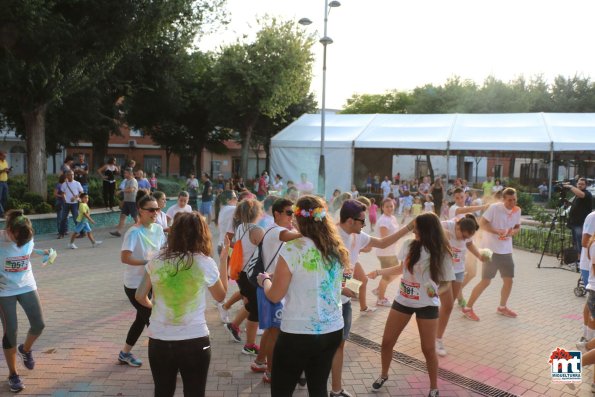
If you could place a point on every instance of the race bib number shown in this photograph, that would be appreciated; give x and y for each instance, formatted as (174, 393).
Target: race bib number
(16, 264)
(409, 290)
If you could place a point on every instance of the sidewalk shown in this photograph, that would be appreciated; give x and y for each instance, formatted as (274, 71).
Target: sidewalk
(87, 317)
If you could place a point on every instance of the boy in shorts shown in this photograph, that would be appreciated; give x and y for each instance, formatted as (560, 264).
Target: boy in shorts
(82, 223)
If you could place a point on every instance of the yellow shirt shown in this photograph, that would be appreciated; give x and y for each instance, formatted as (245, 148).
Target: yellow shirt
(3, 175)
(416, 209)
(83, 209)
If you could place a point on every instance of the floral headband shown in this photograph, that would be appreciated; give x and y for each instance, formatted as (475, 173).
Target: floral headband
(317, 213)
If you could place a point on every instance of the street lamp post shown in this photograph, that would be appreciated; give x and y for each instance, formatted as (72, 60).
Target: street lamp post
(325, 40)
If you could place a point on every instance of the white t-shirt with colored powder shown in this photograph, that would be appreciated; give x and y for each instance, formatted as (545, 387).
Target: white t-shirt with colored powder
(458, 247)
(313, 300)
(389, 222)
(500, 218)
(417, 289)
(16, 275)
(179, 297)
(144, 243)
(588, 228)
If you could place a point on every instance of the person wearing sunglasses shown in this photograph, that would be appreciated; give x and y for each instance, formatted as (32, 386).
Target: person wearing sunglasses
(141, 242)
(269, 313)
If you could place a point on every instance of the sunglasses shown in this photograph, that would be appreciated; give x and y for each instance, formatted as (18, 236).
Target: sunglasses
(289, 212)
(152, 209)
(363, 221)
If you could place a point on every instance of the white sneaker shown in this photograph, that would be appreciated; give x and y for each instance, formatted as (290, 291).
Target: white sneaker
(440, 350)
(260, 332)
(72, 246)
(368, 309)
(384, 302)
(97, 242)
(223, 313)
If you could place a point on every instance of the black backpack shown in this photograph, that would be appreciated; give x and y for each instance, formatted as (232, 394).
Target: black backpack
(255, 264)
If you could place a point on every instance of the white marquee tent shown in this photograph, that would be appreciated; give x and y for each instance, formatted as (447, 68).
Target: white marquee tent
(296, 149)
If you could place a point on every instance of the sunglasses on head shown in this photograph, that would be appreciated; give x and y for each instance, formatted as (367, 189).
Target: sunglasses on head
(152, 209)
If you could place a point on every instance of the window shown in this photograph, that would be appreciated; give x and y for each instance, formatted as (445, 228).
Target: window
(136, 133)
(152, 164)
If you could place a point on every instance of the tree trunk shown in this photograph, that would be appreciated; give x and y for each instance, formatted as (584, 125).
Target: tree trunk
(267, 153)
(100, 143)
(246, 137)
(430, 167)
(198, 162)
(35, 133)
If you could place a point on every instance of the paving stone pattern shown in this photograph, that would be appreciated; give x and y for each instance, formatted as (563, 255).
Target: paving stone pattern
(87, 317)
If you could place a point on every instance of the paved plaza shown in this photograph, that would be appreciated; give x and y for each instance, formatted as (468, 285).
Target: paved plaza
(87, 317)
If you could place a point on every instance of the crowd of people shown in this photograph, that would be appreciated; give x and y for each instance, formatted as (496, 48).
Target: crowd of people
(296, 260)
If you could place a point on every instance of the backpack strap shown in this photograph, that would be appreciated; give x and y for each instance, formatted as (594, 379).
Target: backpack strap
(274, 256)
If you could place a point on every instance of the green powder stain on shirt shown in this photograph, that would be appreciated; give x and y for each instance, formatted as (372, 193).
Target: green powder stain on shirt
(179, 291)
(311, 260)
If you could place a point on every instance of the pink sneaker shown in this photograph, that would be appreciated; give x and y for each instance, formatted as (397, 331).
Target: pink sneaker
(470, 314)
(504, 311)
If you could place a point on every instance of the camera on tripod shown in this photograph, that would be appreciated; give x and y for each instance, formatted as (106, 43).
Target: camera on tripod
(558, 187)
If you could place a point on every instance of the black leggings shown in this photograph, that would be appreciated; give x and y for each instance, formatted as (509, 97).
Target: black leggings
(142, 317)
(109, 192)
(295, 353)
(191, 357)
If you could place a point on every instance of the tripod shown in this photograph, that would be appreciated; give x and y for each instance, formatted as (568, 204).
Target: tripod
(559, 215)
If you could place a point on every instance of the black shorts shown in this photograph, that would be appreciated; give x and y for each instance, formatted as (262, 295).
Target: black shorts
(426, 312)
(129, 208)
(248, 291)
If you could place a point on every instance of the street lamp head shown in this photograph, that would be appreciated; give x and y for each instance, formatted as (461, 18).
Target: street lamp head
(326, 40)
(334, 3)
(305, 21)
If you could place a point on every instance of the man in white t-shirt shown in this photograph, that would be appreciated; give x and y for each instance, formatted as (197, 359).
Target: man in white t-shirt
(304, 186)
(386, 187)
(500, 222)
(274, 238)
(71, 190)
(352, 221)
(585, 266)
(458, 209)
(180, 206)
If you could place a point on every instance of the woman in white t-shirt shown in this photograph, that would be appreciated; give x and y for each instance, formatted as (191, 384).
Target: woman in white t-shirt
(180, 206)
(179, 277)
(387, 225)
(141, 242)
(308, 274)
(460, 237)
(427, 271)
(161, 218)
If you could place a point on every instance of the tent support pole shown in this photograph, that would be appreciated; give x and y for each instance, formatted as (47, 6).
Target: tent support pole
(549, 190)
(447, 162)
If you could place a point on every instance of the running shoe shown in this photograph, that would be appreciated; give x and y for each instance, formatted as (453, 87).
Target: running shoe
(470, 314)
(266, 377)
(384, 302)
(342, 393)
(234, 332)
(378, 383)
(582, 346)
(15, 383)
(504, 311)
(434, 393)
(368, 309)
(223, 313)
(128, 358)
(97, 243)
(72, 246)
(258, 367)
(440, 350)
(116, 234)
(27, 357)
(375, 292)
(251, 350)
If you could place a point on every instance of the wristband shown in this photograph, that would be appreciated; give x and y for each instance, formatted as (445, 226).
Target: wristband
(265, 279)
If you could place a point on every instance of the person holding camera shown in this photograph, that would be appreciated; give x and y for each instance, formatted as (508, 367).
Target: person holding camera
(581, 207)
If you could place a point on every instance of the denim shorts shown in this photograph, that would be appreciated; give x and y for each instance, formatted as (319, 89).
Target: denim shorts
(205, 208)
(82, 226)
(591, 302)
(585, 277)
(459, 277)
(347, 317)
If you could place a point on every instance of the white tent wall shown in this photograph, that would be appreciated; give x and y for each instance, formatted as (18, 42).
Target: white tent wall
(406, 165)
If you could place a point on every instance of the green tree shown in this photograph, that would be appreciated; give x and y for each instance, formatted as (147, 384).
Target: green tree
(262, 78)
(390, 102)
(52, 49)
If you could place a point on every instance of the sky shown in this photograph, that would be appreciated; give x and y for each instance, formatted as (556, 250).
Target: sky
(382, 45)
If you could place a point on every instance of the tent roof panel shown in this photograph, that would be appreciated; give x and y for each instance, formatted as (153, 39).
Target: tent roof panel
(571, 131)
(340, 130)
(510, 132)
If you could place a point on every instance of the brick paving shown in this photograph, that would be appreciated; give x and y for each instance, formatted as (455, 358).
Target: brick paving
(87, 316)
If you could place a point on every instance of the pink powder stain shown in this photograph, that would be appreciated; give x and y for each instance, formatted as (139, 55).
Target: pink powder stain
(573, 316)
